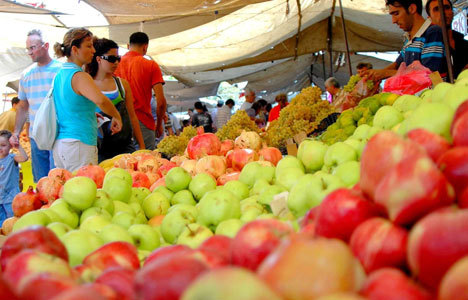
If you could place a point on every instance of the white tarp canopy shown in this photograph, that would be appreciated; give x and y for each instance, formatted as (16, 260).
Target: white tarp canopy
(259, 42)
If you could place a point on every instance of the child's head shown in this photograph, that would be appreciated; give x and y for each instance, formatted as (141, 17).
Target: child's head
(5, 145)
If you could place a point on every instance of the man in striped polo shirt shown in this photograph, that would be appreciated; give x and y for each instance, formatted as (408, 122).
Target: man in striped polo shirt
(35, 82)
(423, 40)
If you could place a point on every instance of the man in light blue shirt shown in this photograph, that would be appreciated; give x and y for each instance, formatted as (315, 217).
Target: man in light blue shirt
(35, 82)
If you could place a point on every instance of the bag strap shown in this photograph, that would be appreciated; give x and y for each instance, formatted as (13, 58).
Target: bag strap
(119, 86)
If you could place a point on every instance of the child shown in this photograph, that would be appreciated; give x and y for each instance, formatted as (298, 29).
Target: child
(9, 174)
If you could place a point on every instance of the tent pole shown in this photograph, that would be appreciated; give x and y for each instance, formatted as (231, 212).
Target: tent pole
(330, 46)
(323, 63)
(348, 56)
(446, 42)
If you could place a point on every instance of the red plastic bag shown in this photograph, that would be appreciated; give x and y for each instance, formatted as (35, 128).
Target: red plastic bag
(409, 80)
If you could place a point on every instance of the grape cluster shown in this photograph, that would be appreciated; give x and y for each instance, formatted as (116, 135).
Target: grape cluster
(303, 114)
(353, 80)
(189, 132)
(233, 128)
(173, 145)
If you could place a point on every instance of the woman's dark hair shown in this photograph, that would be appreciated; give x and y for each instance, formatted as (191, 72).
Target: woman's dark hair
(73, 37)
(198, 105)
(256, 106)
(102, 46)
(262, 102)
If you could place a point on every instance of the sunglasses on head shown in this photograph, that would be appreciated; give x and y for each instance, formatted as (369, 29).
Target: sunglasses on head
(111, 58)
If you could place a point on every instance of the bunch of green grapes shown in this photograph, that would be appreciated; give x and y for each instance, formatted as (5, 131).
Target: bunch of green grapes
(233, 128)
(173, 145)
(370, 85)
(353, 80)
(189, 132)
(308, 96)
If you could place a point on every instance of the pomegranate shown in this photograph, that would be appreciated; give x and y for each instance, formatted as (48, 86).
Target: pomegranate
(202, 145)
(61, 174)
(270, 154)
(148, 163)
(238, 158)
(223, 179)
(226, 146)
(212, 164)
(48, 189)
(140, 179)
(127, 161)
(25, 202)
(162, 171)
(248, 140)
(189, 166)
(96, 173)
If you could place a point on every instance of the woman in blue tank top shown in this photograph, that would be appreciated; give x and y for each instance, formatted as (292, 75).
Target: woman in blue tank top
(76, 97)
(102, 67)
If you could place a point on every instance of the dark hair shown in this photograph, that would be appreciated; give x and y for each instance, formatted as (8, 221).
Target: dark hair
(198, 105)
(256, 106)
(102, 46)
(406, 4)
(15, 100)
(220, 103)
(332, 82)
(364, 65)
(262, 102)
(230, 101)
(268, 107)
(185, 122)
(139, 38)
(281, 98)
(6, 134)
(73, 37)
(428, 6)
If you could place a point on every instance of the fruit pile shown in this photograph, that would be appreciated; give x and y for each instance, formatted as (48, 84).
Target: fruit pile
(303, 114)
(172, 145)
(238, 123)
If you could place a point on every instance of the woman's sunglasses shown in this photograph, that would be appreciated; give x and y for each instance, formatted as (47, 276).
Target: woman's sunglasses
(111, 58)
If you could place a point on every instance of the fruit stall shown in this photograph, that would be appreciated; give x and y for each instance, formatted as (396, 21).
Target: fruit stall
(375, 206)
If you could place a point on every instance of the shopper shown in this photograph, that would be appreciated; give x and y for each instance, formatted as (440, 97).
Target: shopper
(282, 102)
(202, 118)
(224, 113)
(9, 174)
(8, 118)
(76, 96)
(144, 76)
(249, 99)
(34, 84)
(101, 68)
(332, 86)
(363, 67)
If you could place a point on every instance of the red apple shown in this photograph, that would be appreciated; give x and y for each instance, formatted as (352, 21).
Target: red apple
(216, 250)
(393, 284)
(93, 291)
(462, 199)
(226, 146)
(223, 179)
(48, 189)
(270, 154)
(162, 252)
(454, 165)
(256, 240)
(96, 173)
(413, 189)
(5, 291)
(61, 174)
(459, 132)
(378, 243)
(341, 212)
(454, 285)
(434, 144)
(310, 217)
(31, 262)
(140, 179)
(45, 286)
(25, 202)
(114, 254)
(436, 242)
(167, 279)
(382, 153)
(120, 280)
(307, 269)
(461, 110)
(35, 238)
(342, 296)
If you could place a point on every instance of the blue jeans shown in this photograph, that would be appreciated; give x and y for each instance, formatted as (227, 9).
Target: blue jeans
(42, 161)
(5, 212)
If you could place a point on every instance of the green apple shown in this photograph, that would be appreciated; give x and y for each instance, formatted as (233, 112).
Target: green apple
(142, 256)
(435, 117)
(113, 233)
(373, 131)
(358, 145)
(267, 196)
(120, 206)
(259, 187)
(250, 173)
(288, 177)
(183, 196)
(35, 217)
(138, 194)
(348, 172)
(144, 237)
(328, 183)
(194, 235)
(79, 244)
(337, 154)
(155, 204)
(217, 206)
(301, 199)
(175, 221)
(103, 200)
(463, 81)
(251, 201)
(387, 117)
(60, 229)
(137, 209)
(124, 219)
(182, 206)
(361, 132)
(462, 75)
(266, 216)
(238, 188)
(140, 218)
(94, 211)
(251, 214)
(117, 189)
(53, 216)
(165, 191)
(426, 96)
(201, 184)
(267, 173)
(407, 102)
(177, 179)
(229, 227)
(456, 95)
(288, 162)
(439, 92)
(95, 223)
(79, 192)
(311, 153)
(68, 215)
(121, 173)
